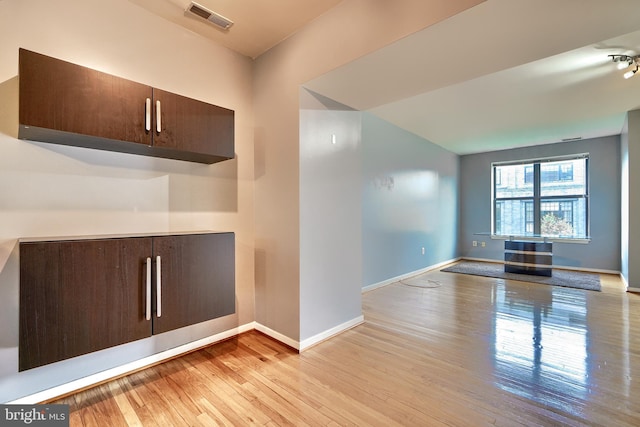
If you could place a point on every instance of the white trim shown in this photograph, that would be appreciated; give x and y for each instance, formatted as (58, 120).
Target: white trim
(542, 159)
(277, 336)
(626, 285)
(311, 341)
(374, 286)
(546, 239)
(329, 333)
(624, 281)
(127, 368)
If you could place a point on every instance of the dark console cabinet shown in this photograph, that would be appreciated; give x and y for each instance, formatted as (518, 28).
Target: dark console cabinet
(68, 104)
(528, 257)
(80, 296)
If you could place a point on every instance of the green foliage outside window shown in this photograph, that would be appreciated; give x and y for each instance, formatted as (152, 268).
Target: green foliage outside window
(553, 225)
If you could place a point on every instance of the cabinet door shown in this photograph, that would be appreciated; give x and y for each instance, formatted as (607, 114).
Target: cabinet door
(80, 296)
(60, 96)
(193, 126)
(198, 279)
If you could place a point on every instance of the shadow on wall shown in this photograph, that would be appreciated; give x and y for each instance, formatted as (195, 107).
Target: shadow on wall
(192, 187)
(260, 267)
(259, 153)
(324, 103)
(9, 295)
(9, 107)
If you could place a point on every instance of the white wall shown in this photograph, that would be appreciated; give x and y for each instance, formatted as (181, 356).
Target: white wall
(630, 246)
(624, 200)
(48, 190)
(330, 220)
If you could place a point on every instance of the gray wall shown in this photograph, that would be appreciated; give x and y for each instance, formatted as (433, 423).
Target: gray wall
(330, 222)
(602, 253)
(409, 202)
(347, 31)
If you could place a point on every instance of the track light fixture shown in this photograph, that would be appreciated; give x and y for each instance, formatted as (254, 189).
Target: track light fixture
(626, 61)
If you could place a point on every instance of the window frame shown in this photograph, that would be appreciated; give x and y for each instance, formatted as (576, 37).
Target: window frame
(537, 199)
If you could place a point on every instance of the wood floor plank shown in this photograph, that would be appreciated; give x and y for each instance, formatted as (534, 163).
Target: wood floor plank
(123, 403)
(463, 351)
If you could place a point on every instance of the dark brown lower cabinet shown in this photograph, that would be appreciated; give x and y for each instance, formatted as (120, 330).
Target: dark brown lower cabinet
(187, 296)
(80, 296)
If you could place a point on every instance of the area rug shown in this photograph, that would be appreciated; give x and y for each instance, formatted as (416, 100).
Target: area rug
(571, 279)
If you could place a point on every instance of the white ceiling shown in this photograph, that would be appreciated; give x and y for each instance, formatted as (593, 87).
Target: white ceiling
(503, 74)
(258, 25)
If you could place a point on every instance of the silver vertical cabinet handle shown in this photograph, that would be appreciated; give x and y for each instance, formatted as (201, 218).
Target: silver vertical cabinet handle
(158, 287)
(147, 115)
(158, 117)
(148, 308)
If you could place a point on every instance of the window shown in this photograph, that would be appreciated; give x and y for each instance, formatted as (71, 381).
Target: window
(498, 177)
(552, 172)
(528, 217)
(528, 174)
(544, 197)
(566, 172)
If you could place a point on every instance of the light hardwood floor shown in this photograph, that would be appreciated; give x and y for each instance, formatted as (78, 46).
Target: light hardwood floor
(445, 349)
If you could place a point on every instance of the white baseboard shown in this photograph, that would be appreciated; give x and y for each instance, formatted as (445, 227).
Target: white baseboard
(277, 336)
(318, 338)
(624, 281)
(374, 286)
(309, 342)
(626, 285)
(128, 368)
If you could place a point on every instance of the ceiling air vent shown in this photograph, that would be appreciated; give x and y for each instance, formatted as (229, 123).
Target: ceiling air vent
(204, 13)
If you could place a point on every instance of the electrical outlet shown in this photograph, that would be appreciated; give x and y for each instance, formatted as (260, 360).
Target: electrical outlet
(483, 244)
(475, 243)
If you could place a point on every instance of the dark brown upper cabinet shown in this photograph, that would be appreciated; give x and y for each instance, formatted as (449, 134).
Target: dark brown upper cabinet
(81, 296)
(68, 104)
(188, 125)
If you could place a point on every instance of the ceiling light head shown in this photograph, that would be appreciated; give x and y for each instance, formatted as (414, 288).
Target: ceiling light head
(625, 64)
(626, 61)
(619, 58)
(631, 73)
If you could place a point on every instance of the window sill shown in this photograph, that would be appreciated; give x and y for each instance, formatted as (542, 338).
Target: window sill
(578, 240)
